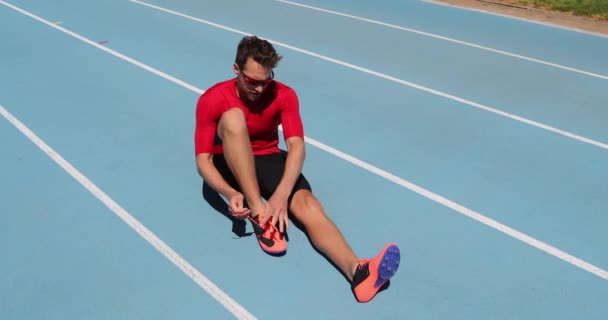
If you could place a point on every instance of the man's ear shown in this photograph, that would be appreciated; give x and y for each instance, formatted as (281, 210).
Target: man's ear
(236, 69)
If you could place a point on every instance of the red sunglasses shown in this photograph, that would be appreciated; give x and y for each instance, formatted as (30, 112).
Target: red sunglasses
(256, 83)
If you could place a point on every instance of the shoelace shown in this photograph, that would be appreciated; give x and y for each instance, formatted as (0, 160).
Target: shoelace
(273, 231)
(260, 231)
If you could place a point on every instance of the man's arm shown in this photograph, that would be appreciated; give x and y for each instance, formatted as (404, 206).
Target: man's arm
(210, 111)
(206, 169)
(293, 165)
(293, 132)
(278, 202)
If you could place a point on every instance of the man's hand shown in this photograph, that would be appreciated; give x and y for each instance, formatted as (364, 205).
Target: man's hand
(276, 209)
(236, 206)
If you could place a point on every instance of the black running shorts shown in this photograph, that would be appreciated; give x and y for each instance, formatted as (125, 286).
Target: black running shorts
(269, 171)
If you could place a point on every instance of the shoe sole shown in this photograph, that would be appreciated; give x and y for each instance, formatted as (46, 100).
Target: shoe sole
(390, 262)
(388, 266)
(381, 269)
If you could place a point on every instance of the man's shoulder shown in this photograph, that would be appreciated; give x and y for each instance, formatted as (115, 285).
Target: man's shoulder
(283, 88)
(220, 87)
(217, 93)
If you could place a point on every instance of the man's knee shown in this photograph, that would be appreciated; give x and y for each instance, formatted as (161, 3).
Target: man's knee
(305, 204)
(232, 122)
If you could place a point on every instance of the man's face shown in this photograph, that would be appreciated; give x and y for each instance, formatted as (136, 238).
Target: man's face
(252, 80)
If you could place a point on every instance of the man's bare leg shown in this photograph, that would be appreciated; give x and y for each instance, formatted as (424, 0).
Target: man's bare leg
(323, 233)
(232, 129)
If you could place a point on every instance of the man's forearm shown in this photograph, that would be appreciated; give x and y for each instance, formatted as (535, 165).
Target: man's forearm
(293, 167)
(212, 177)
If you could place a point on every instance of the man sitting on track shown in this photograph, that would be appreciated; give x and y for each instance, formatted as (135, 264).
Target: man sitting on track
(237, 154)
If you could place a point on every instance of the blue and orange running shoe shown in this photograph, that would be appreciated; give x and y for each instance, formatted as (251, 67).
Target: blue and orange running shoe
(372, 274)
(270, 239)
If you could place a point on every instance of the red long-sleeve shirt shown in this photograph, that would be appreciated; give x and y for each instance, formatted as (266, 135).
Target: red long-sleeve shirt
(278, 105)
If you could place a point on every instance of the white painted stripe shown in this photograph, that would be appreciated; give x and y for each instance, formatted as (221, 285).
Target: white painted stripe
(104, 48)
(231, 305)
(450, 40)
(432, 196)
(465, 211)
(517, 18)
(397, 80)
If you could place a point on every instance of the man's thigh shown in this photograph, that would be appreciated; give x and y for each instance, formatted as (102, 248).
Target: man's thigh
(269, 171)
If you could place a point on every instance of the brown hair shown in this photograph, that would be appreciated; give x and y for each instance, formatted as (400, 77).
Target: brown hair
(260, 50)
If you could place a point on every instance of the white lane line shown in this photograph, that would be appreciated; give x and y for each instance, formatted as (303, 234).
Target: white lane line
(449, 39)
(421, 191)
(397, 80)
(516, 18)
(101, 47)
(231, 305)
(237, 310)
(466, 211)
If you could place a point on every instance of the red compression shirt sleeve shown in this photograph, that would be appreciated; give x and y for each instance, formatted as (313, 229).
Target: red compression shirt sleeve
(290, 116)
(208, 113)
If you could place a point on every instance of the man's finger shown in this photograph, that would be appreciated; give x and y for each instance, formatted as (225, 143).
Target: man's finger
(264, 216)
(275, 218)
(236, 204)
(281, 225)
(285, 223)
(241, 214)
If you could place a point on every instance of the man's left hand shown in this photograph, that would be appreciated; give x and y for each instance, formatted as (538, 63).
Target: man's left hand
(276, 209)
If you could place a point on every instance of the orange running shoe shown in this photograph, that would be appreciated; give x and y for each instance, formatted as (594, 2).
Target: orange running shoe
(270, 239)
(372, 274)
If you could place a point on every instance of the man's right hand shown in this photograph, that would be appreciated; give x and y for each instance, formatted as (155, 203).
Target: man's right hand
(236, 206)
